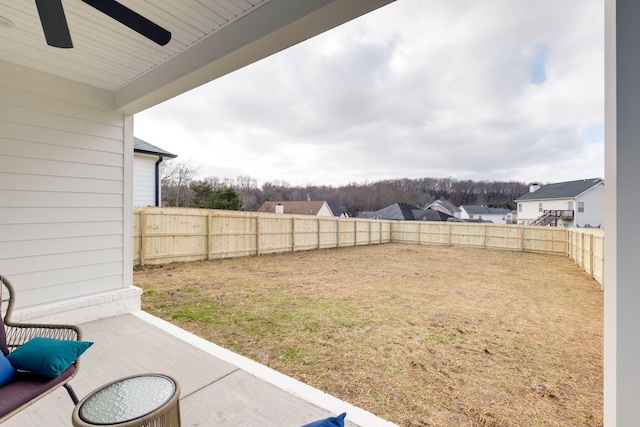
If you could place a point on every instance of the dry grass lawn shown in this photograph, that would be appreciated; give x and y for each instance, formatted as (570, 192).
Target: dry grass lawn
(419, 335)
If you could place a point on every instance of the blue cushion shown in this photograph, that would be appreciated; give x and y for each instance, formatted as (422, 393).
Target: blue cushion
(329, 422)
(6, 370)
(47, 356)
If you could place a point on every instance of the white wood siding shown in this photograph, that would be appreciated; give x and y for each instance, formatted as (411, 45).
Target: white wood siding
(495, 218)
(530, 209)
(325, 210)
(144, 180)
(593, 207)
(62, 193)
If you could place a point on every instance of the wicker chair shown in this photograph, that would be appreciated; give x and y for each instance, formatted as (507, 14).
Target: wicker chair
(26, 389)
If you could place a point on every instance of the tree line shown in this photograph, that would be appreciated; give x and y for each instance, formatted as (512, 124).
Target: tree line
(180, 188)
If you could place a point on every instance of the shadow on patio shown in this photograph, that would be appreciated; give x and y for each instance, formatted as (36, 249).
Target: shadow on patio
(218, 387)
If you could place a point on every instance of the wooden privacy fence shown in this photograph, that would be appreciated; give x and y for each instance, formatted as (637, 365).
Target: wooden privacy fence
(585, 246)
(163, 235)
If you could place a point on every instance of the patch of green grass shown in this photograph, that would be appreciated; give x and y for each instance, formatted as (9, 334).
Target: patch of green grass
(294, 353)
(197, 312)
(312, 326)
(432, 336)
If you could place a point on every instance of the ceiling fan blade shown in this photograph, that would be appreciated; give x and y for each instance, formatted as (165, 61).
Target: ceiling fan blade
(54, 23)
(133, 20)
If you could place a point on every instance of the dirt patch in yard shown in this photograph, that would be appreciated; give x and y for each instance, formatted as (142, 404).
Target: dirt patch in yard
(419, 335)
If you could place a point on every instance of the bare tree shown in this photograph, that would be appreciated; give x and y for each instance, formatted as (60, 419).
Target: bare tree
(246, 186)
(175, 179)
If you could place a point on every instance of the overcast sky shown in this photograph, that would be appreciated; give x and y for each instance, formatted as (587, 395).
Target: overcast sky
(469, 89)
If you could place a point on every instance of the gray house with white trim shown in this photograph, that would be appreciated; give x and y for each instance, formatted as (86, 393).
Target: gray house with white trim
(577, 203)
(147, 163)
(483, 213)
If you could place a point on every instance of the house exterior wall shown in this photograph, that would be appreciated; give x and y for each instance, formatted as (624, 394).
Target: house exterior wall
(531, 211)
(65, 199)
(593, 208)
(325, 210)
(440, 208)
(144, 180)
(495, 218)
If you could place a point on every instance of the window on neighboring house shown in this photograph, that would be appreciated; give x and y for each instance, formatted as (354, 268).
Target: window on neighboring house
(570, 206)
(471, 216)
(580, 206)
(539, 207)
(519, 207)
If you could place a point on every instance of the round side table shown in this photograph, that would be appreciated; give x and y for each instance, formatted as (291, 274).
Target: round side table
(147, 400)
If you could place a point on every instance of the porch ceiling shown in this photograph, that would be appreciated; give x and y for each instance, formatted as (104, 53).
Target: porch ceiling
(209, 39)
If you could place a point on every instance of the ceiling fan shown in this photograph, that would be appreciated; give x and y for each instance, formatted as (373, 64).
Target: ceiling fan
(56, 30)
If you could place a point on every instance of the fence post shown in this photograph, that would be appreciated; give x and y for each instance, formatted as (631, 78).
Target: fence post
(319, 232)
(258, 225)
(338, 232)
(355, 233)
(143, 236)
(522, 238)
(209, 235)
(582, 252)
(484, 236)
(450, 226)
(293, 234)
(591, 263)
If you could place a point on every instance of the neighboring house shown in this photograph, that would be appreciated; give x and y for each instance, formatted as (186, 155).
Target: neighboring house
(444, 206)
(341, 213)
(406, 212)
(147, 159)
(316, 208)
(564, 204)
(485, 214)
(435, 215)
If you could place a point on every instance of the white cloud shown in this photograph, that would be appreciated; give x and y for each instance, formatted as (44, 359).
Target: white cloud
(419, 88)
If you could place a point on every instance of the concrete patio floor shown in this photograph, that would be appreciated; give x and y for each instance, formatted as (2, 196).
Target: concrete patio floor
(218, 387)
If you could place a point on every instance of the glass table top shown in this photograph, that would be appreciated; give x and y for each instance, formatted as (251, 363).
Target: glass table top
(127, 399)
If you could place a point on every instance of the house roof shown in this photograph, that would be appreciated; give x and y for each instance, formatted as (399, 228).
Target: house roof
(399, 211)
(406, 212)
(484, 210)
(140, 146)
(295, 207)
(396, 211)
(445, 204)
(130, 73)
(434, 215)
(562, 190)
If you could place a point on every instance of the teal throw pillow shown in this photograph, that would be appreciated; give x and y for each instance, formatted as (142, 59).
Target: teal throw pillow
(329, 422)
(6, 370)
(47, 356)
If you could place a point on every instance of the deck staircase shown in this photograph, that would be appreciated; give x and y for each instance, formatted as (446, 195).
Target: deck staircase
(551, 217)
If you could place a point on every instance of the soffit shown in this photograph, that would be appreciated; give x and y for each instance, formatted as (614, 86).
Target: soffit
(106, 54)
(209, 38)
